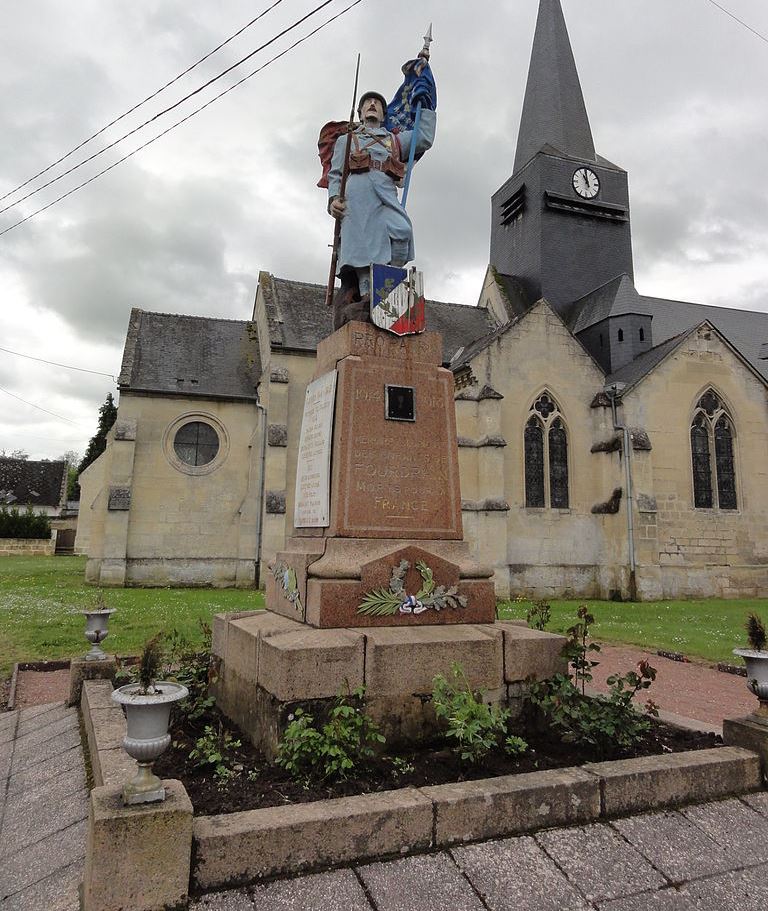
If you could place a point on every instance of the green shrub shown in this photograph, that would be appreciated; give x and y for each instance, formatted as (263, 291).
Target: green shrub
(605, 724)
(538, 615)
(475, 727)
(29, 524)
(313, 753)
(213, 750)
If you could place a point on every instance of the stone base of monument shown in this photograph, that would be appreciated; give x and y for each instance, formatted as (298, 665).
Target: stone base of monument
(751, 733)
(325, 581)
(270, 665)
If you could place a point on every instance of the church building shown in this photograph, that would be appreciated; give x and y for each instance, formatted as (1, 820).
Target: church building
(611, 445)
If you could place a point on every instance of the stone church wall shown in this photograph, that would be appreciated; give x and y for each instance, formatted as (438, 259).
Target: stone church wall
(538, 552)
(684, 551)
(162, 523)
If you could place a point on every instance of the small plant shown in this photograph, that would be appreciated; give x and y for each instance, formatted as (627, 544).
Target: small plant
(605, 723)
(476, 728)
(402, 767)
(194, 667)
(149, 665)
(213, 750)
(538, 615)
(577, 649)
(756, 635)
(313, 753)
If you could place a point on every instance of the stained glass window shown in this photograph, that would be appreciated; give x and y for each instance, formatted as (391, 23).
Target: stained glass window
(546, 456)
(702, 473)
(726, 476)
(558, 465)
(712, 433)
(534, 463)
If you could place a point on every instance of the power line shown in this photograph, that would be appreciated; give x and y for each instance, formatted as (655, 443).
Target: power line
(141, 103)
(179, 122)
(39, 408)
(740, 21)
(165, 111)
(55, 364)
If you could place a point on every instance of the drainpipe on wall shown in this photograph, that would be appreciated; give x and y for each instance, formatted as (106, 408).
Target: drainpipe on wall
(260, 523)
(614, 392)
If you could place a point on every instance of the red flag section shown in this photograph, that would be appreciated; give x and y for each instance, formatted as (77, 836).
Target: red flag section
(325, 144)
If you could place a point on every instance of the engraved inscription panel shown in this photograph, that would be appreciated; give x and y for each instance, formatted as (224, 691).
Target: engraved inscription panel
(312, 509)
(396, 478)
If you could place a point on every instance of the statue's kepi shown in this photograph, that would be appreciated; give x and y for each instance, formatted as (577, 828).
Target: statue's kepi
(365, 162)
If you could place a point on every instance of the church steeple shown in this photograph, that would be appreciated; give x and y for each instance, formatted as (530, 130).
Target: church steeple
(560, 224)
(554, 112)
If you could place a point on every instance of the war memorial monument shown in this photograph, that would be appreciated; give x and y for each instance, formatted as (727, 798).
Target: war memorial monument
(376, 588)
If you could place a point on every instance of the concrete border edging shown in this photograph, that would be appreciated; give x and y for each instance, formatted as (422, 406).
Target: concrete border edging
(105, 728)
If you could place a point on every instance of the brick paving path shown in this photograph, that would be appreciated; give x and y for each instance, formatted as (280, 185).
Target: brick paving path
(702, 858)
(43, 809)
(689, 689)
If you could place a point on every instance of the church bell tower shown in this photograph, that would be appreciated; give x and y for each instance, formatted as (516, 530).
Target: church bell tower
(560, 224)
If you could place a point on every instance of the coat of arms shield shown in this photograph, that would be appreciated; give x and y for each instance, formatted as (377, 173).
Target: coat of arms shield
(397, 299)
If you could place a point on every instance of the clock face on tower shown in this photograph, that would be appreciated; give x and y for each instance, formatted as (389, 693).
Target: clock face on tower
(586, 183)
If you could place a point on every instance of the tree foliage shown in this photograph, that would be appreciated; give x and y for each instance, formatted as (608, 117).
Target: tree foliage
(98, 442)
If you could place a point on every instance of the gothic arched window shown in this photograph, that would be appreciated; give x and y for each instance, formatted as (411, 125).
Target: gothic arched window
(712, 434)
(546, 456)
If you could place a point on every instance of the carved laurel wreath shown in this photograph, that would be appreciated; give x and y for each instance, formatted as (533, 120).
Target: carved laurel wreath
(386, 603)
(286, 579)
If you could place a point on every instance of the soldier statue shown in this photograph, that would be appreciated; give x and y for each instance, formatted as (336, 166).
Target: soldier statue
(375, 228)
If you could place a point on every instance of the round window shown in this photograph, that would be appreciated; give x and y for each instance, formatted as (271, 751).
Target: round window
(196, 443)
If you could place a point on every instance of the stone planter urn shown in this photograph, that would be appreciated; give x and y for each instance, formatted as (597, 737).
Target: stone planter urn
(96, 631)
(757, 676)
(147, 712)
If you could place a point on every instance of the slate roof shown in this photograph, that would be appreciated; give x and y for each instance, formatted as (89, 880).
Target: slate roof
(615, 298)
(190, 356)
(298, 318)
(745, 330)
(553, 110)
(23, 482)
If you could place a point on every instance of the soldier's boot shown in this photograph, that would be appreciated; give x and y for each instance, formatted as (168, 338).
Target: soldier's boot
(347, 304)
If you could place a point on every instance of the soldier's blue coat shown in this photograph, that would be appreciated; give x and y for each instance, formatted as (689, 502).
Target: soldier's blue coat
(374, 216)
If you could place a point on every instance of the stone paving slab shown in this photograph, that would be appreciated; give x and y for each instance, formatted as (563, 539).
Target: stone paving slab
(8, 723)
(57, 892)
(32, 864)
(30, 754)
(338, 891)
(599, 862)
(56, 712)
(429, 883)
(667, 900)
(42, 826)
(758, 802)
(736, 827)
(34, 776)
(746, 890)
(44, 729)
(516, 874)
(674, 845)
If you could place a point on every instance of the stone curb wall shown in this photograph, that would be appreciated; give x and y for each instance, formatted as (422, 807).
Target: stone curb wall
(236, 848)
(28, 547)
(242, 847)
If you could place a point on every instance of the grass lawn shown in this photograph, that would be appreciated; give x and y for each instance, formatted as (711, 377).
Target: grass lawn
(704, 629)
(40, 598)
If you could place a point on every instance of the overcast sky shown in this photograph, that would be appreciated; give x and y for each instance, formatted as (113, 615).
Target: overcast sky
(675, 91)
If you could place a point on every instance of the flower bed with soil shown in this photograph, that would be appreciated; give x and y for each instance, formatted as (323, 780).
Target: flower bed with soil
(252, 783)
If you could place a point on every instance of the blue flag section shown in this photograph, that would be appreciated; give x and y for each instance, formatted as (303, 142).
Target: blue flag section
(418, 86)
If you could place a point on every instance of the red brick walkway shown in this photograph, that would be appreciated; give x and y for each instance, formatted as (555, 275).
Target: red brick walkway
(692, 690)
